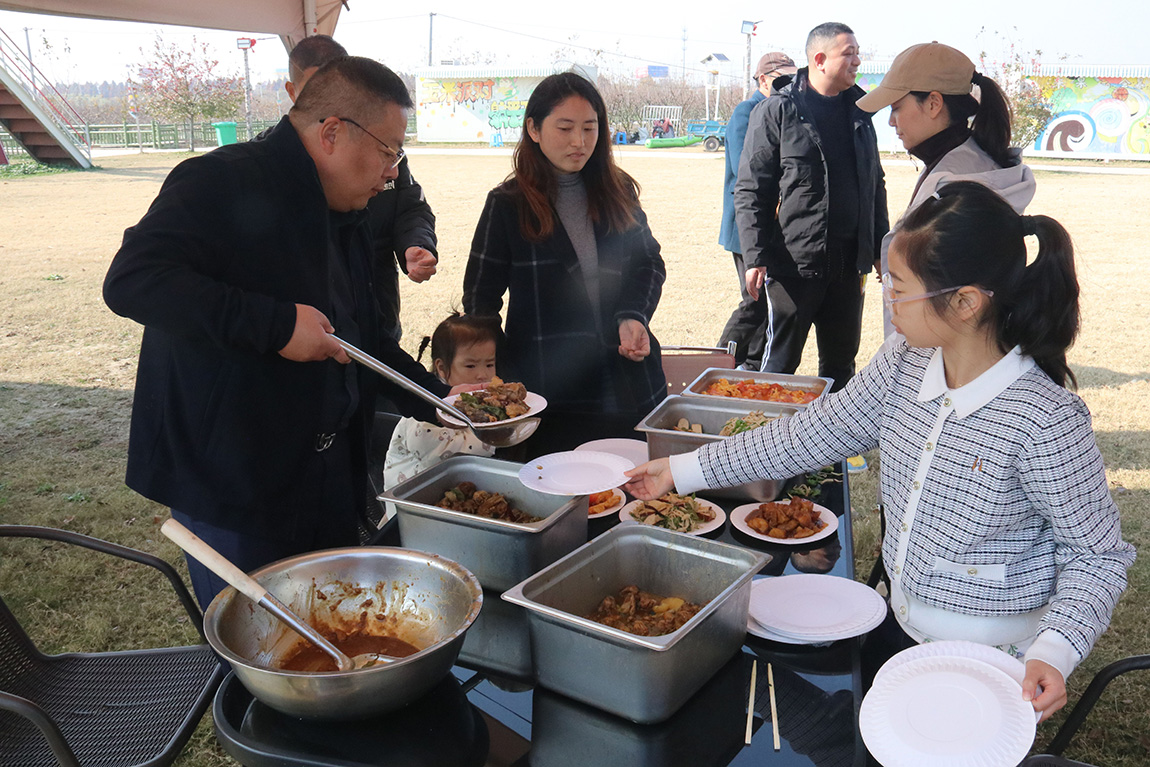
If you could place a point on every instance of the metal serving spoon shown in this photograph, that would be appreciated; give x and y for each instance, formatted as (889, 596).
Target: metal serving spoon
(249, 587)
(496, 434)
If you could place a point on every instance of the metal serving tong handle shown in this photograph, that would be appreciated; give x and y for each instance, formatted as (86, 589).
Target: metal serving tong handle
(403, 381)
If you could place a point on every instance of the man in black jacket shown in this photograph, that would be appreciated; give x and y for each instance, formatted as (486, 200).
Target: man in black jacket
(399, 217)
(250, 257)
(810, 205)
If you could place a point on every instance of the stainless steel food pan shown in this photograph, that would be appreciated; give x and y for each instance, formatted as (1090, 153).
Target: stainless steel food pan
(711, 413)
(500, 554)
(706, 732)
(816, 384)
(644, 679)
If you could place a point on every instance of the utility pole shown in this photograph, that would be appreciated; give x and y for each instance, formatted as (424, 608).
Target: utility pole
(683, 74)
(430, 33)
(749, 28)
(28, 48)
(245, 44)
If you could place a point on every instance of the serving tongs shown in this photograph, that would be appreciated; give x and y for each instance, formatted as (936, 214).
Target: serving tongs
(494, 434)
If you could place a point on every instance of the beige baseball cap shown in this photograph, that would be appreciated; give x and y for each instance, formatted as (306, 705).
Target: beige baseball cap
(773, 62)
(922, 68)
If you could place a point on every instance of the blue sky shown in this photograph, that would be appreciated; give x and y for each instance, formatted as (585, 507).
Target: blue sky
(628, 34)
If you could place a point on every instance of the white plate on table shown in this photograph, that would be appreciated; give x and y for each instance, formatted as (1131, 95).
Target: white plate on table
(739, 519)
(815, 608)
(533, 401)
(957, 648)
(620, 499)
(946, 712)
(634, 450)
(576, 472)
(707, 527)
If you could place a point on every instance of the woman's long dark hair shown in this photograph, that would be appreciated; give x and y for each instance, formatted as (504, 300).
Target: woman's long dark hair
(969, 235)
(612, 195)
(991, 113)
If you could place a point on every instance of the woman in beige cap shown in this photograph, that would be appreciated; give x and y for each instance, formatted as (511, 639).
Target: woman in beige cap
(959, 137)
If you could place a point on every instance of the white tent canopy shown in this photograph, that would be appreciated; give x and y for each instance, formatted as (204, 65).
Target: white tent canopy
(292, 20)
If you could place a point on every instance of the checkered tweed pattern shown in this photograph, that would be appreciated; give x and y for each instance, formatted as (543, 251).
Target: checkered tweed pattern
(1018, 483)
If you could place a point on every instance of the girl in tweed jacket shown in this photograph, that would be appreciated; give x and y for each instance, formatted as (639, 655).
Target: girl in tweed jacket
(565, 238)
(1000, 526)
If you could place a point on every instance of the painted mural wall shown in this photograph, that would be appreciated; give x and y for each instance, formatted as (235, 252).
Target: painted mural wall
(1093, 116)
(1097, 115)
(486, 109)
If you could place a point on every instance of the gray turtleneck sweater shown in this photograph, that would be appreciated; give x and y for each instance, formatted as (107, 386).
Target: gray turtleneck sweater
(571, 205)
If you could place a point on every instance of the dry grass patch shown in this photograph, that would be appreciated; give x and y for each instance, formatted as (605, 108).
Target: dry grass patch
(67, 367)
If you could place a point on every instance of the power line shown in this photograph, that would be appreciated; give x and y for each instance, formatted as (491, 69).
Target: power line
(597, 50)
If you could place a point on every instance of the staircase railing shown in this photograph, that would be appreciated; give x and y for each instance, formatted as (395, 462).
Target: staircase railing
(50, 100)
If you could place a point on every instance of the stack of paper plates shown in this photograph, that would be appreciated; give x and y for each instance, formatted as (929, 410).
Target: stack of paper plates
(813, 609)
(948, 704)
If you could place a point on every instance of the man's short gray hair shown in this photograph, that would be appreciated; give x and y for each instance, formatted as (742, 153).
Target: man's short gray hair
(822, 36)
(351, 86)
(314, 51)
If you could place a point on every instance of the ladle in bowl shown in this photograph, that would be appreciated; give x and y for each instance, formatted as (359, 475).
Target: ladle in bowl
(494, 434)
(249, 587)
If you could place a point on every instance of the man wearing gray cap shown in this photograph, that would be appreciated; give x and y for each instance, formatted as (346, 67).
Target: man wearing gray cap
(810, 204)
(745, 327)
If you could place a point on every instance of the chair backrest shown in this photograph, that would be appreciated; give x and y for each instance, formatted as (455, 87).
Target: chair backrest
(683, 364)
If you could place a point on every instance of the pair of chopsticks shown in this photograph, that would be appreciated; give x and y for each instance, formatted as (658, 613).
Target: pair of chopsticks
(751, 703)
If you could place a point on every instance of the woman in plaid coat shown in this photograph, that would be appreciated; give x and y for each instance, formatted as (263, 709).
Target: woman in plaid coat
(565, 237)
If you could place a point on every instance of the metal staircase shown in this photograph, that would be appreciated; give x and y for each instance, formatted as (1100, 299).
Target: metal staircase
(36, 115)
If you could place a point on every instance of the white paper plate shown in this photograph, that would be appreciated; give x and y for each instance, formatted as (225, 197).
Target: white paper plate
(946, 712)
(956, 648)
(620, 499)
(533, 401)
(816, 608)
(739, 519)
(714, 524)
(634, 450)
(754, 629)
(575, 472)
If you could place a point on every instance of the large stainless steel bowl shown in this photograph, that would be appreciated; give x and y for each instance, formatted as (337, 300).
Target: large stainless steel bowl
(421, 598)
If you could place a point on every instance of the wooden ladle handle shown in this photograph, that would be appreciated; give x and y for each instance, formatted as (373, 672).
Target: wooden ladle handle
(213, 560)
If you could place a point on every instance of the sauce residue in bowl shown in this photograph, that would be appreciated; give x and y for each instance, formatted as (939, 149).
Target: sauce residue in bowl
(309, 658)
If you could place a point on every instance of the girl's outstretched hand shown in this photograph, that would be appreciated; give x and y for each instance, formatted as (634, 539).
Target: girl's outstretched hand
(461, 388)
(1053, 697)
(651, 480)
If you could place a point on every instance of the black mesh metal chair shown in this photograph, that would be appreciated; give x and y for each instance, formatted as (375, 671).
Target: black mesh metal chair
(1081, 710)
(107, 709)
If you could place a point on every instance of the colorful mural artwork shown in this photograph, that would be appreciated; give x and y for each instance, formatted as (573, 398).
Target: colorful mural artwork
(490, 110)
(1094, 115)
(1098, 115)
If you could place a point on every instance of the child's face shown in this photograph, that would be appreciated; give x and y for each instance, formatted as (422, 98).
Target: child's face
(474, 363)
(916, 318)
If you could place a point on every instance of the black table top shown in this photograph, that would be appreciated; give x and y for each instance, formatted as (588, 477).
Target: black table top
(484, 715)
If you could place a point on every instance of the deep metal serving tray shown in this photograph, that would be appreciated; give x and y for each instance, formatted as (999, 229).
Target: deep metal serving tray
(817, 384)
(499, 553)
(644, 679)
(711, 413)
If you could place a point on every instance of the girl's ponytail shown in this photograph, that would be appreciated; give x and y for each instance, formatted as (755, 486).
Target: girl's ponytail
(991, 126)
(967, 235)
(1042, 316)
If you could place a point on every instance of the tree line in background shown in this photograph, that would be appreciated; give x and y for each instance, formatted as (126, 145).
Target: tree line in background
(185, 84)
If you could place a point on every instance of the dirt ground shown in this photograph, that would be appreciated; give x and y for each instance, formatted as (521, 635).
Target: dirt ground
(67, 364)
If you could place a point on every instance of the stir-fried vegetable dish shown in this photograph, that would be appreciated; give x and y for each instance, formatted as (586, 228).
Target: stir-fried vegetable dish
(681, 513)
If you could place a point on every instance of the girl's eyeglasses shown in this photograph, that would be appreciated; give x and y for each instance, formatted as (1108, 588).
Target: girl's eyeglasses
(889, 299)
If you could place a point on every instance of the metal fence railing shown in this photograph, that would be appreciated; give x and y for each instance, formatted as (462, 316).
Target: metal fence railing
(51, 101)
(149, 135)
